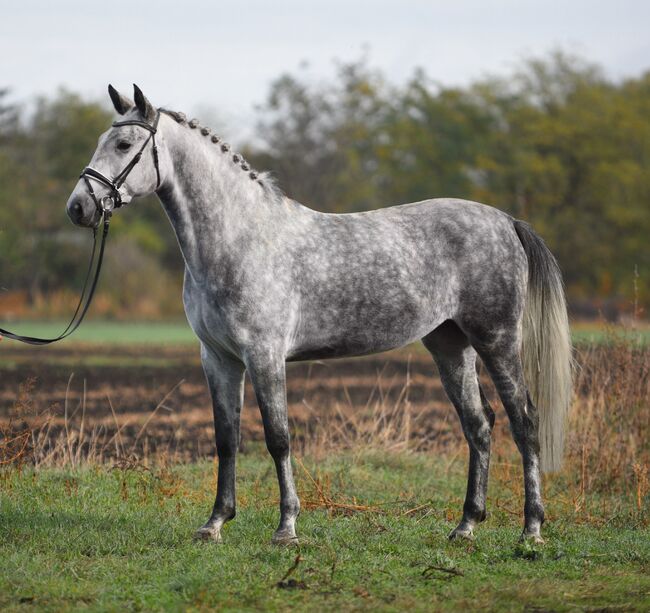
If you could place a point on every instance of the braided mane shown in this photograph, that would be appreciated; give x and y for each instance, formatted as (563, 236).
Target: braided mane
(264, 179)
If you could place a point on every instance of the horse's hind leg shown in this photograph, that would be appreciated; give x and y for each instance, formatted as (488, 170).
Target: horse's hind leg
(502, 360)
(226, 382)
(456, 360)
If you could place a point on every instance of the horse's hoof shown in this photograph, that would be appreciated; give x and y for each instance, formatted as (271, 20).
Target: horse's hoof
(285, 539)
(208, 534)
(461, 533)
(534, 538)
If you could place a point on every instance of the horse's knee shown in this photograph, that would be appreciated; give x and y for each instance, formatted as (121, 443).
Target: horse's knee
(474, 510)
(227, 444)
(278, 444)
(226, 451)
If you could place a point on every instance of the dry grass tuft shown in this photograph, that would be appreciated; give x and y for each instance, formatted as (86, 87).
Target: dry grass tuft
(319, 496)
(609, 428)
(39, 439)
(383, 423)
(18, 435)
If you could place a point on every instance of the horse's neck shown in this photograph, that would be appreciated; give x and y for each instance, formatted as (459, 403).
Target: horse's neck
(215, 208)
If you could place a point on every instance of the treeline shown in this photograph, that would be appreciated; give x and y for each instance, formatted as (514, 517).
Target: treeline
(556, 143)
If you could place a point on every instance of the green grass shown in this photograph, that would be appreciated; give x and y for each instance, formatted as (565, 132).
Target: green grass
(112, 332)
(593, 334)
(179, 332)
(109, 539)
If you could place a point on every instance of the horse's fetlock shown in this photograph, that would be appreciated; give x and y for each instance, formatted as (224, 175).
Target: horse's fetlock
(225, 511)
(290, 507)
(534, 510)
(474, 511)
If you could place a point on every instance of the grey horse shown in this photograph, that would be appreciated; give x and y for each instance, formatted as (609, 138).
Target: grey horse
(268, 280)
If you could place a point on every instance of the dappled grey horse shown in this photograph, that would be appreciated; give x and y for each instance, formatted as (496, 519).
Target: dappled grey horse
(268, 280)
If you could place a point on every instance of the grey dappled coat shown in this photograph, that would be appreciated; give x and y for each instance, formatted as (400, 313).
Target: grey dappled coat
(269, 280)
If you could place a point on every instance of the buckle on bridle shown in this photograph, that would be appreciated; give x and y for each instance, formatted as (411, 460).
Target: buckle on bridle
(107, 204)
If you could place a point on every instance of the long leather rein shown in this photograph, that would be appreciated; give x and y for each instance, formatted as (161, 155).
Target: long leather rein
(105, 206)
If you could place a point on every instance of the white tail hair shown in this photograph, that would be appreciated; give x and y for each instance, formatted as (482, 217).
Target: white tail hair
(546, 348)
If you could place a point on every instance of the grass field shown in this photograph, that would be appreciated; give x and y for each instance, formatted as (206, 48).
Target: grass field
(373, 533)
(104, 476)
(179, 332)
(114, 332)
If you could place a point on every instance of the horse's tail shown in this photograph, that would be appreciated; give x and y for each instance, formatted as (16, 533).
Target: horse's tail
(546, 350)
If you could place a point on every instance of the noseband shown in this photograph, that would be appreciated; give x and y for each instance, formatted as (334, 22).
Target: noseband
(112, 201)
(105, 207)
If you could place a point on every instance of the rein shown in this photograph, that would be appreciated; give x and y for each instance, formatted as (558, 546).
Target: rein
(105, 206)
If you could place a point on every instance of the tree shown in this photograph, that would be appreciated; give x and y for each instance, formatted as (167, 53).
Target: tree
(555, 142)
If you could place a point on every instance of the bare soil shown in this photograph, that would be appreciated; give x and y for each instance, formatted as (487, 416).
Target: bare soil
(158, 399)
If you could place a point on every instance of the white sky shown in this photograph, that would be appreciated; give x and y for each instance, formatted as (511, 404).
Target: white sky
(219, 57)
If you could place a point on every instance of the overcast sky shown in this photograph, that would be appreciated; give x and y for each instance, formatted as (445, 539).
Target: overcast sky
(222, 55)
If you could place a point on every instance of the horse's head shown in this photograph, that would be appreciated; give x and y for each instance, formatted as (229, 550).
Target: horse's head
(124, 165)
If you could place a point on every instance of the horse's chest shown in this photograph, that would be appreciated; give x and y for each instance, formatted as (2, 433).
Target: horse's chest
(234, 320)
(209, 322)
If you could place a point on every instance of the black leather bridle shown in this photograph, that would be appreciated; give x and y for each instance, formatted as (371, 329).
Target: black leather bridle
(105, 206)
(114, 200)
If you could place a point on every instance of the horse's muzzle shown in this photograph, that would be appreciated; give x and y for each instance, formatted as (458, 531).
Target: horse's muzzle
(81, 214)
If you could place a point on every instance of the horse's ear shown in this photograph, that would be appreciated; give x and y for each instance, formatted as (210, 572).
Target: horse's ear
(144, 106)
(121, 103)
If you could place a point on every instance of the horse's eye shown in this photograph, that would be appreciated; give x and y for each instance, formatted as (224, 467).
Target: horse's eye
(123, 145)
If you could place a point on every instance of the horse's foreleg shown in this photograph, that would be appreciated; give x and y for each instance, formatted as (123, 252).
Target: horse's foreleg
(456, 360)
(269, 380)
(225, 378)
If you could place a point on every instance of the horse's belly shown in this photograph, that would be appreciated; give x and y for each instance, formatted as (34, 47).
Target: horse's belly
(343, 348)
(342, 334)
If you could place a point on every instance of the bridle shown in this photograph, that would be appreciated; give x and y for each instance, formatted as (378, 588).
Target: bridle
(114, 199)
(105, 207)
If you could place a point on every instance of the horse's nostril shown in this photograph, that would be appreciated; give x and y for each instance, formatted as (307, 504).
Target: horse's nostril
(75, 210)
